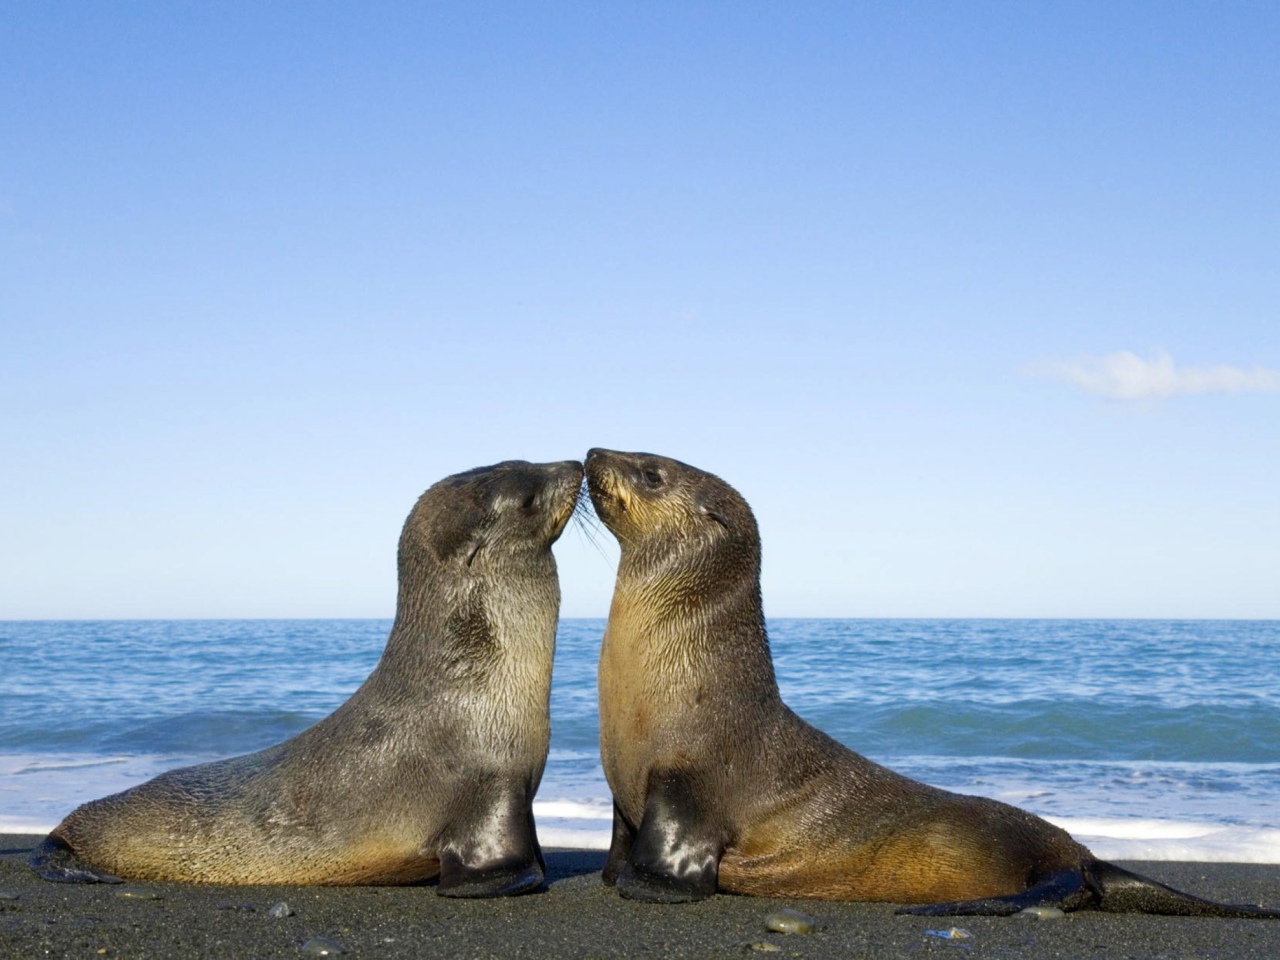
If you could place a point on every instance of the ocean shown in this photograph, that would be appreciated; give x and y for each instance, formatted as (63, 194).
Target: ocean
(1145, 739)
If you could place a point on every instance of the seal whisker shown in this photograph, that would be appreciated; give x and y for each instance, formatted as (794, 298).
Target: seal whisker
(587, 523)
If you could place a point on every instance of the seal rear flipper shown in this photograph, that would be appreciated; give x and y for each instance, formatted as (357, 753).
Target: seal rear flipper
(1125, 892)
(1066, 889)
(54, 860)
(492, 853)
(675, 856)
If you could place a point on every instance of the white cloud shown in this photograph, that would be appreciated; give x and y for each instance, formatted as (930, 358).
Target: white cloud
(1126, 376)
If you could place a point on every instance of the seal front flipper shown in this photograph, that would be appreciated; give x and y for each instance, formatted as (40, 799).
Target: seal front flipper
(54, 860)
(1065, 889)
(624, 837)
(675, 857)
(492, 852)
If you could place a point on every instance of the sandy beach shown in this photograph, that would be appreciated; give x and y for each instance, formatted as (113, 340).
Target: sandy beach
(579, 917)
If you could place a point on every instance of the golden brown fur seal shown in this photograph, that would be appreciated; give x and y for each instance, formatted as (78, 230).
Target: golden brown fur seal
(429, 769)
(717, 785)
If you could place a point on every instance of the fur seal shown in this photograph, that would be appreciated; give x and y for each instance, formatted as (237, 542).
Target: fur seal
(429, 769)
(718, 785)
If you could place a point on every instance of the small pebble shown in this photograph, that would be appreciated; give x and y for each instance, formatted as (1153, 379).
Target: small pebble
(322, 947)
(281, 909)
(765, 947)
(6, 895)
(787, 920)
(955, 933)
(1041, 913)
(137, 893)
(247, 908)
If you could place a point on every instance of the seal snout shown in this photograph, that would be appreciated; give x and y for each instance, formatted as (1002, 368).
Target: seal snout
(564, 490)
(606, 467)
(605, 483)
(568, 471)
(597, 458)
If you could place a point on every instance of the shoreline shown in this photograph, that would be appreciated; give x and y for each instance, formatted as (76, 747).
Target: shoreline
(577, 916)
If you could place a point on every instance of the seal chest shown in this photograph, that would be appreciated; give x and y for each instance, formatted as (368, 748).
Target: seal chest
(428, 770)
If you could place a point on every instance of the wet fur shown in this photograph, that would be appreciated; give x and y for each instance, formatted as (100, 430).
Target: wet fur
(718, 785)
(428, 769)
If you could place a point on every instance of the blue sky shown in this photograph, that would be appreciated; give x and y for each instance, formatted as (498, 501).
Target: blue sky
(977, 304)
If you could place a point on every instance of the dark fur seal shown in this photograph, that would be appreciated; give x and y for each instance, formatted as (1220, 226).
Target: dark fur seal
(717, 785)
(429, 769)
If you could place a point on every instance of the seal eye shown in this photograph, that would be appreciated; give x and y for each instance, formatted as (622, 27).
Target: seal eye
(653, 478)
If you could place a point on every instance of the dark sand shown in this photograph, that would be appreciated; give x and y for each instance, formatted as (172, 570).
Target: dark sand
(579, 917)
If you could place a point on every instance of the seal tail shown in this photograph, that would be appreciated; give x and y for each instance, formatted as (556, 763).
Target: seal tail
(54, 860)
(1119, 891)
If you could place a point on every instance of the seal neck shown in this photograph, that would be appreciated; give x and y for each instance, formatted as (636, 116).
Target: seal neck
(687, 621)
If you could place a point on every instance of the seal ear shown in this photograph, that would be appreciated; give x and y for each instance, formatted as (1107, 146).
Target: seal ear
(707, 504)
(455, 526)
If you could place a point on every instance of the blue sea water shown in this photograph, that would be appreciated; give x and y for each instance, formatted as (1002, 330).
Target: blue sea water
(1145, 738)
